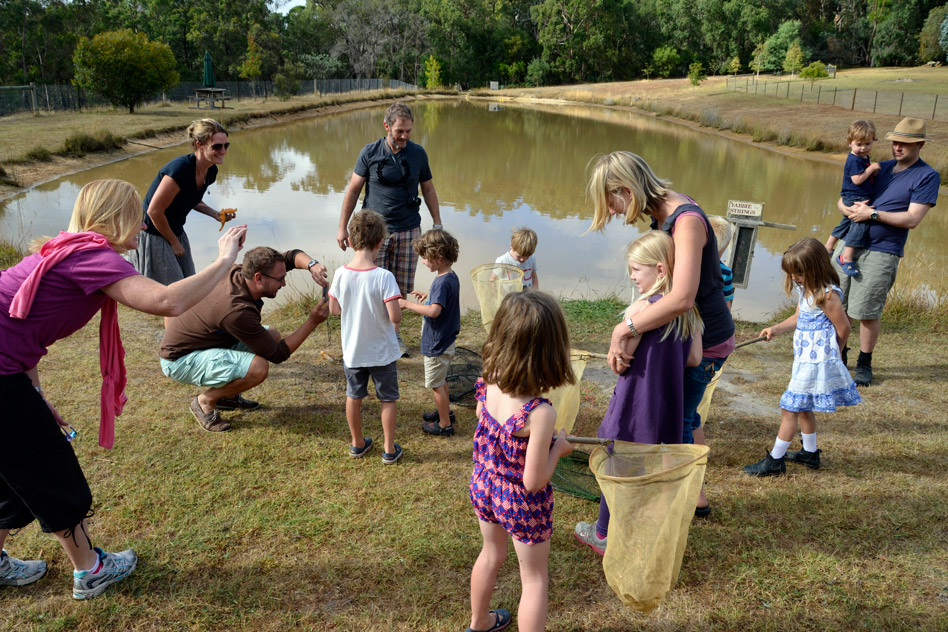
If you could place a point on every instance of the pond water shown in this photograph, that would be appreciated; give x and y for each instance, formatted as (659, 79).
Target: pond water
(496, 168)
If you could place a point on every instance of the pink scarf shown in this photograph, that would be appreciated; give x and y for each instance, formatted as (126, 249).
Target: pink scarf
(111, 353)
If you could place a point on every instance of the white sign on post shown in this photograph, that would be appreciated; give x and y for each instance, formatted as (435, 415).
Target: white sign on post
(737, 208)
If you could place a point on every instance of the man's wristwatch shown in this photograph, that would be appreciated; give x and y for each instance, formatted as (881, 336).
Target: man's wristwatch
(635, 332)
(437, 227)
(312, 262)
(874, 215)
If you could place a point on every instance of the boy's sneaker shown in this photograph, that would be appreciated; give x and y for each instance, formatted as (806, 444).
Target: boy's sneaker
(432, 415)
(358, 453)
(14, 572)
(848, 267)
(809, 459)
(432, 428)
(586, 533)
(389, 458)
(768, 466)
(115, 567)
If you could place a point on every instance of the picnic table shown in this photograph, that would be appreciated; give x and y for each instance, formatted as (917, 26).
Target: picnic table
(210, 96)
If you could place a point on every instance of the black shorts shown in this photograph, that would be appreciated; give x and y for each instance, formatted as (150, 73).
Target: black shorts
(40, 477)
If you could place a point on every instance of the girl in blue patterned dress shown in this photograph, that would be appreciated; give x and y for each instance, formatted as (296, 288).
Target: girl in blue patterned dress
(820, 381)
(515, 453)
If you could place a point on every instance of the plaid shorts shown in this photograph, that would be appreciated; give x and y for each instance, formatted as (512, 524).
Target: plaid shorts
(397, 256)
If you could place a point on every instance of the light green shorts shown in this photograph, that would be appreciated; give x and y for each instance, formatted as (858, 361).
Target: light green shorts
(436, 367)
(210, 367)
(864, 295)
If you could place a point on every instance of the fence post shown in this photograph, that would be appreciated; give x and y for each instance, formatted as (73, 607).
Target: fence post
(834, 96)
(852, 106)
(819, 93)
(33, 95)
(802, 87)
(935, 107)
(875, 100)
(901, 100)
(788, 89)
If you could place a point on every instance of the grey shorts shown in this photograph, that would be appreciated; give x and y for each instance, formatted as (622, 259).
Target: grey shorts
(385, 379)
(436, 367)
(864, 296)
(210, 367)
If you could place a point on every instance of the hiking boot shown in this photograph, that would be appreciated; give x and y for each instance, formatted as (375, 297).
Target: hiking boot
(809, 459)
(14, 572)
(432, 428)
(211, 421)
(237, 403)
(586, 533)
(863, 376)
(115, 567)
(432, 415)
(402, 347)
(768, 466)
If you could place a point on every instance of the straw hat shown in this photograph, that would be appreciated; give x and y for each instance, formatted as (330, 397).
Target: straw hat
(909, 130)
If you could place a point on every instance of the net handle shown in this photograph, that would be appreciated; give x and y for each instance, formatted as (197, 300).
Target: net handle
(589, 440)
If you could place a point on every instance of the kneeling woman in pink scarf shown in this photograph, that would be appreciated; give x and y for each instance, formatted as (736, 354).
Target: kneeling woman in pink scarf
(50, 295)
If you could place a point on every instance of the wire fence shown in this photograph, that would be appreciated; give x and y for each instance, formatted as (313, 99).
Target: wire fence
(61, 97)
(916, 104)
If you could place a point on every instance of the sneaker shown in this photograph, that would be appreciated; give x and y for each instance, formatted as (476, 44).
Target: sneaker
(358, 453)
(237, 403)
(768, 466)
(211, 421)
(848, 267)
(432, 428)
(863, 376)
(402, 347)
(389, 458)
(14, 572)
(586, 533)
(115, 568)
(432, 415)
(809, 459)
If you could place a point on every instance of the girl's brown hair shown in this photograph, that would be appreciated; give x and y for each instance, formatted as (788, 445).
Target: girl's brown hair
(809, 260)
(527, 350)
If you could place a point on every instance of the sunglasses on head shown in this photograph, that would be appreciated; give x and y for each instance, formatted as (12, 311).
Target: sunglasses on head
(220, 146)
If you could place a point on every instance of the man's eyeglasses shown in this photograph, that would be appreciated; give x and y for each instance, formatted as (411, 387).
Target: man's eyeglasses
(281, 279)
(220, 146)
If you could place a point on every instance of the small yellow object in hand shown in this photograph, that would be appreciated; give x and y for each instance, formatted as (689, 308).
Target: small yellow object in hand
(223, 216)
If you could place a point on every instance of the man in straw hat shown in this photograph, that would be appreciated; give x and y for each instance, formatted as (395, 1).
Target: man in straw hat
(905, 189)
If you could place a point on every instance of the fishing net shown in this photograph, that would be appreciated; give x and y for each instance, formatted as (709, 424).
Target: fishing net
(565, 399)
(572, 476)
(651, 491)
(462, 375)
(492, 282)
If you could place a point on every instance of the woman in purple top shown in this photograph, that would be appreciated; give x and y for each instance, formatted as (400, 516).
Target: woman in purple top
(48, 296)
(624, 184)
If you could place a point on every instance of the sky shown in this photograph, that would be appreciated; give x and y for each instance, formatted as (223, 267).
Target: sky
(293, 3)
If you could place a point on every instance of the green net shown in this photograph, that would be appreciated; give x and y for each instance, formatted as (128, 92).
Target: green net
(572, 476)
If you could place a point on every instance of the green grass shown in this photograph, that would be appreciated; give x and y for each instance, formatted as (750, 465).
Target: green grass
(272, 527)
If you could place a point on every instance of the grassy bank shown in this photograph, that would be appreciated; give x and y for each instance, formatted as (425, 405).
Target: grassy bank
(272, 527)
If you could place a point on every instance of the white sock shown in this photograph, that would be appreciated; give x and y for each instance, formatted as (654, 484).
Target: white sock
(809, 442)
(95, 565)
(780, 448)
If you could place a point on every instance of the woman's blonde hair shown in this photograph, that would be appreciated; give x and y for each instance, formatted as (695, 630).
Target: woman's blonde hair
(809, 260)
(653, 248)
(111, 208)
(527, 350)
(202, 130)
(623, 169)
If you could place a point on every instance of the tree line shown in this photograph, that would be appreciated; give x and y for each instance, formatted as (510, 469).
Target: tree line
(470, 42)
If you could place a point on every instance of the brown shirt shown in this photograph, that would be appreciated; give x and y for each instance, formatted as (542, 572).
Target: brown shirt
(228, 315)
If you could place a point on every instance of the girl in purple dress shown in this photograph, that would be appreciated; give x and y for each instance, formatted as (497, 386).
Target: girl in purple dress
(647, 404)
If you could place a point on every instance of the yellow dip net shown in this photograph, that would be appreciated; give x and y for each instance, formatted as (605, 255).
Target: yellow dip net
(651, 491)
(565, 399)
(492, 282)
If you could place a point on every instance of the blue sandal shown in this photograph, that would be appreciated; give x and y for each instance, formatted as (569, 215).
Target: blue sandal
(502, 621)
(358, 453)
(848, 267)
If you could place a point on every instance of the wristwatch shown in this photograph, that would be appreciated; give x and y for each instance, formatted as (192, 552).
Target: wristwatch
(437, 227)
(874, 215)
(635, 332)
(311, 263)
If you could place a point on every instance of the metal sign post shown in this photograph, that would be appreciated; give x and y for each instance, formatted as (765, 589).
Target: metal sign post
(746, 217)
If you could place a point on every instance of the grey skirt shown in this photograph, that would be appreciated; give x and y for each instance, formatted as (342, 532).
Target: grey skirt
(155, 259)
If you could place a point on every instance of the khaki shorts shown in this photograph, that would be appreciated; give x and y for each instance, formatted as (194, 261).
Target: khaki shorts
(864, 296)
(436, 367)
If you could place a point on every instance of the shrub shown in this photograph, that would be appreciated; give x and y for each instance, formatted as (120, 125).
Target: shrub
(39, 154)
(80, 144)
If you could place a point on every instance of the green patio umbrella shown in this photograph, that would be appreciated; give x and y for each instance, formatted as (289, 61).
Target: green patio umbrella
(208, 71)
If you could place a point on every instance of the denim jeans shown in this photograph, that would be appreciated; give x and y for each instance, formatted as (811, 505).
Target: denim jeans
(696, 380)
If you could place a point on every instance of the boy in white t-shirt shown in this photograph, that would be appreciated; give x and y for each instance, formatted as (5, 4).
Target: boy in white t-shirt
(366, 297)
(523, 243)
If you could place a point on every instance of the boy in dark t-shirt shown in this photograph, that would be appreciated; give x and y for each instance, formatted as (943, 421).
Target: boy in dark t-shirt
(441, 308)
(858, 180)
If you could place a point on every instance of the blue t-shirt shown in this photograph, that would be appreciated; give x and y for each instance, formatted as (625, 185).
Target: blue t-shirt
(182, 170)
(727, 275)
(441, 332)
(893, 193)
(854, 166)
(392, 182)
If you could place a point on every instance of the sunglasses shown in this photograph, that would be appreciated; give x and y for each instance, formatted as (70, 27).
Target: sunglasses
(220, 146)
(281, 279)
